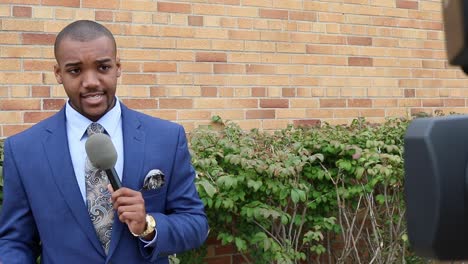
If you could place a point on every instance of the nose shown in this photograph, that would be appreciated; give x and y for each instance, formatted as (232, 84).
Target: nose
(90, 79)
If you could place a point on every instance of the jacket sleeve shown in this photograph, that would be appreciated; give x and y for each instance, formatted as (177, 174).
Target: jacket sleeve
(19, 239)
(184, 226)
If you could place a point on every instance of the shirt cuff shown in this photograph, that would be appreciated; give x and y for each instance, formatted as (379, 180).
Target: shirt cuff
(152, 242)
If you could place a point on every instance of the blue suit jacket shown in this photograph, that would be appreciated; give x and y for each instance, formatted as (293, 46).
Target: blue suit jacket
(44, 213)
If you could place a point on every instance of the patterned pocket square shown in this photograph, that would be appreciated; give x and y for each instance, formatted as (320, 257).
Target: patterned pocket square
(153, 180)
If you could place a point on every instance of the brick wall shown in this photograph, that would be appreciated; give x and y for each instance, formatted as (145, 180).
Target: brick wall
(262, 63)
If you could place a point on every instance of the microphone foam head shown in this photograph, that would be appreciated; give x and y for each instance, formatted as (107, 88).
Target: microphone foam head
(101, 152)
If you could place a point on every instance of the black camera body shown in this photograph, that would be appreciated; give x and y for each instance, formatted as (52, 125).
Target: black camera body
(455, 27)
(436, 160)
(436, 156)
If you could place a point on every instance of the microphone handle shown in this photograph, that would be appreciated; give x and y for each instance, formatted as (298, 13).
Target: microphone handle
(113, 179)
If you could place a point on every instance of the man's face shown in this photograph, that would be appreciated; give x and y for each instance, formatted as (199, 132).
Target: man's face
(88, 72)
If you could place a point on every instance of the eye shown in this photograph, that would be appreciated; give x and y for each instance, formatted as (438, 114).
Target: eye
(74, 71)
(104, 68)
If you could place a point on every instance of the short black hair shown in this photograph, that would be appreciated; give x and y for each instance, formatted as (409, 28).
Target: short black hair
(83, 30)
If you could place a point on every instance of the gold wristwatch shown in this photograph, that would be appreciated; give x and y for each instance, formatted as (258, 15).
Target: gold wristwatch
(150, 226)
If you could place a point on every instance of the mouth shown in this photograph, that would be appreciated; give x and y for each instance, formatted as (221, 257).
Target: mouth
(93, 98)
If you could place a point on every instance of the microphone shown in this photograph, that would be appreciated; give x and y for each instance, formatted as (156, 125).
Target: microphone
(102, 154)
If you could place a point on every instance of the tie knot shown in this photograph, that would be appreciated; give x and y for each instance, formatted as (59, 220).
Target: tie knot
(94, 128)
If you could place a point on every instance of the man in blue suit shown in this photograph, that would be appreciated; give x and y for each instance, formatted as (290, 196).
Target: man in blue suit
(47, 210)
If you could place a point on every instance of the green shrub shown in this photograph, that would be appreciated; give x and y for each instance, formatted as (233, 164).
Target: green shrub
(332, 194)
(329, 194)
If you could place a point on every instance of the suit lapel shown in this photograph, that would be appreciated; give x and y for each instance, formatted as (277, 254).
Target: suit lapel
(134, 149)
(56, 147)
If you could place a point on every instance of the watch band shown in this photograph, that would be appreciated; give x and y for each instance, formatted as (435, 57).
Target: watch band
(150, 226)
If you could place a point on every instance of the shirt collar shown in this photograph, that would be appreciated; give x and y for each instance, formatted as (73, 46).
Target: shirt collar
(77, 123)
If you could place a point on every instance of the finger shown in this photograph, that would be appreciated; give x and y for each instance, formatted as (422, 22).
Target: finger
(131, 209)
(131, 218)
(125, 192)
(125, 201)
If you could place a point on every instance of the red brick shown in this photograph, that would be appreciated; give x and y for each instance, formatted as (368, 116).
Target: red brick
(239, 259)
(260, 69)
(332, 103)
(134, 79)
(229, 68)
(38, 39)
(307, 122)
(361, 41)
(225, 2)
(211, 57)
(10, 130)
(40, 91)
(22, 11)
(258, 92)
(306, 16)
(104, 15)
(195, 20)
(219, 260)
(53, 104)
(273, 13)
(244, 35)
(35, 117)
(157, 91)
(260, 114)
(432, 102)
(174, 7)
(359, 103)
(21, 2)
(38, 65)
(20, 104)
(68, 3)
(274, 103)
(410, 93)
(407, 4)
(288, 92)
(225, 250)
(159, 67)
(360, 61)
(175, 103)
(209, 91)
(454, 102)
(331, 39)
(123, 17)
(212, 240)
(108, 4)
(141, 103)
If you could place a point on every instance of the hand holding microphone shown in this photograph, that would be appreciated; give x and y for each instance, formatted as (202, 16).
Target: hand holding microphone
(129, 204)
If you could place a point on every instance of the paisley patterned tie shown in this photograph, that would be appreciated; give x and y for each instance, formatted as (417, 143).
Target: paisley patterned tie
(98, 198)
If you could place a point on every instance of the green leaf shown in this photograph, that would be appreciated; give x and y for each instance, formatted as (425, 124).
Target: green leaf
(254, 184)
(359, 172)
(226, 181)
(240, 244)
(217, 119)
(380, 198)
(295, 197)
(208, 187)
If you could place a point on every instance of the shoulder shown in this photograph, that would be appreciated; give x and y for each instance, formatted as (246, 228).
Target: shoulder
(150, 122)
(36, 132)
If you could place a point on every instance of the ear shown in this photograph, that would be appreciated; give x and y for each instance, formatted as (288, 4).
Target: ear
(119, 69)
(58, 74)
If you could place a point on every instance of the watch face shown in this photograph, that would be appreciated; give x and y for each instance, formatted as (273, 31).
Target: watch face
(151, 222)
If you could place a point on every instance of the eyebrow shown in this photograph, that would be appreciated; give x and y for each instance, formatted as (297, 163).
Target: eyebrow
(99, 61)
(71, 64)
